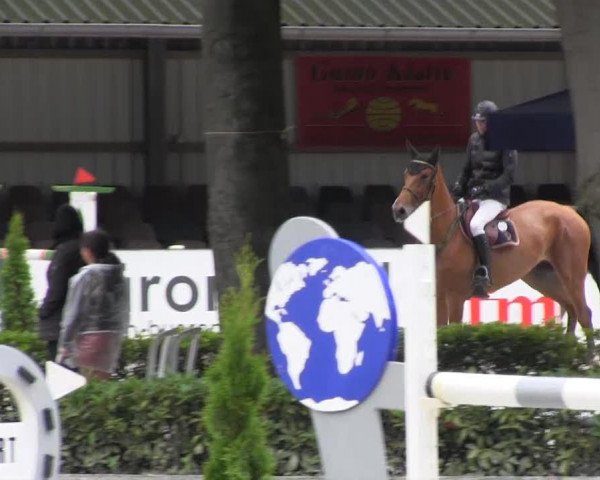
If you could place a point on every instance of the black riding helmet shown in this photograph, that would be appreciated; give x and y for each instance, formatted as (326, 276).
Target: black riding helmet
(484, 108)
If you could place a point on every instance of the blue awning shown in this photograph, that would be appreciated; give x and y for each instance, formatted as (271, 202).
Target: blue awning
(542, 124)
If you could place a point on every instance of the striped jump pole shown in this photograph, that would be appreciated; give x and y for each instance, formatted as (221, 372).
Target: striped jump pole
(514, 391)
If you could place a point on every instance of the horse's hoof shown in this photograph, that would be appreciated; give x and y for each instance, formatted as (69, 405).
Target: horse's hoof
(592, 359)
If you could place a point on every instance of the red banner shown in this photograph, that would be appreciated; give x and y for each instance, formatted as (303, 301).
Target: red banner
(375, 101)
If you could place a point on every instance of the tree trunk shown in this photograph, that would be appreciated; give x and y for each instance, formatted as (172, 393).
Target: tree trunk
(244, 130)
(579, 21)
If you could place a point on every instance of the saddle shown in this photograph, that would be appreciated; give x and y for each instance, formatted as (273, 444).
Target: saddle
(500, 232)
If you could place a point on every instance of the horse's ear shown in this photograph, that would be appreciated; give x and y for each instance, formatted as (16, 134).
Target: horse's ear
(435, 156)
(414, 154)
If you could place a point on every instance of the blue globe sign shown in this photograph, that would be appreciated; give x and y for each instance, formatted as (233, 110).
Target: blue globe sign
(331, 323)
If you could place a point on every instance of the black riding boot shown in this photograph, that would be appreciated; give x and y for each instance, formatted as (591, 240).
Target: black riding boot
(481, 277)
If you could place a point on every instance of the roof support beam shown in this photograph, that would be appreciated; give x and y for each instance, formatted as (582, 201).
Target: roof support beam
(155, 112)
(379, 34)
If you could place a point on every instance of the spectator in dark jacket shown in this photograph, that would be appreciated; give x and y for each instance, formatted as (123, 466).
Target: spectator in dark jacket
(95, 316)
(65, 263)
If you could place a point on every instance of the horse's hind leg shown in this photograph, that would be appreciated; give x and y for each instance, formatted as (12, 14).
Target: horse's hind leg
(572, 277)
(547, 280)
(544, 279)
(571, 268)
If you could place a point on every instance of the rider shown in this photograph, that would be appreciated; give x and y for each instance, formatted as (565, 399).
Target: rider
(486, 177)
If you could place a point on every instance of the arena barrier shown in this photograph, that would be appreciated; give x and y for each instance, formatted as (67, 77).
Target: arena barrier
(449, 388)
(30, 447)
(351, 440)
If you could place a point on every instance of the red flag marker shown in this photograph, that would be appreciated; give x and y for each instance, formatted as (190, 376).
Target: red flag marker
(83, 176)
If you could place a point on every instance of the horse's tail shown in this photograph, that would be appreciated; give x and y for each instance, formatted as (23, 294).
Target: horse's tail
(593, 266)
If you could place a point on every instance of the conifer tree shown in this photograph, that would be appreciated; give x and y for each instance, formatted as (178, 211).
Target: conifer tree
(17, 301)
(236, 384)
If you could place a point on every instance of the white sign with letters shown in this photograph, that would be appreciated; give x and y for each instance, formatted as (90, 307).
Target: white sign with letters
(170, 288)
(166, 288)
(516, 303)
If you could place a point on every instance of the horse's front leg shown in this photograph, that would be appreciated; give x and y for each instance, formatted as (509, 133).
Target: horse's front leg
(450, 305)
(455, 303)
(442, 308)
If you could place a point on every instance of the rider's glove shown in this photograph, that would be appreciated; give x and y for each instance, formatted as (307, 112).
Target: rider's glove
(457, 190)
(476, 191)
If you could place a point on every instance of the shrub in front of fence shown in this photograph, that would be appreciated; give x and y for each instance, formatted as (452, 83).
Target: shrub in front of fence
(136, 426)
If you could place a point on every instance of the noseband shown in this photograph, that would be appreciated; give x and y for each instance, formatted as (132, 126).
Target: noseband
(415, 169)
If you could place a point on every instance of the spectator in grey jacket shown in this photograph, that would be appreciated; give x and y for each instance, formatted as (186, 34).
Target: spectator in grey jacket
(65, 263)
(95, 316)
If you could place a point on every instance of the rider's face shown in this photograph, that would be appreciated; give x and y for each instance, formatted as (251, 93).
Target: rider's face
(481, 126)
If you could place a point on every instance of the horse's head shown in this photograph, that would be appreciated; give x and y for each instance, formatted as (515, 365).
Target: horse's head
(419, 183)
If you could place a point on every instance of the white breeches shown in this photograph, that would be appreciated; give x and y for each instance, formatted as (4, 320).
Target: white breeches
(488, 209)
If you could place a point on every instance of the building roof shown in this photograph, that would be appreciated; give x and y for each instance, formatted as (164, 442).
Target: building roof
(421, 13)
(497, 14)
(165, 12)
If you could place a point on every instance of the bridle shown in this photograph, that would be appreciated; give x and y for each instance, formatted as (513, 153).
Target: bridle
(453, 227)
(420, 165)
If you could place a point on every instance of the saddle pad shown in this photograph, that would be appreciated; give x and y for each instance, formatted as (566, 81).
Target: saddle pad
(501, 231)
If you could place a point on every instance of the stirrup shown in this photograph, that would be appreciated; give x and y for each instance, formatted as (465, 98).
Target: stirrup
(482, 273)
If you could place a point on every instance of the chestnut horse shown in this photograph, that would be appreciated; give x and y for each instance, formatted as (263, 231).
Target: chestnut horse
(552, 254)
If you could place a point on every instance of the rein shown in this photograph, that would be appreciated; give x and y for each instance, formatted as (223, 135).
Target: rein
(461, 207)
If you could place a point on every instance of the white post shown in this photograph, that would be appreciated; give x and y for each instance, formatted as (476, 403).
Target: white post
(420, 350)
(85, 202)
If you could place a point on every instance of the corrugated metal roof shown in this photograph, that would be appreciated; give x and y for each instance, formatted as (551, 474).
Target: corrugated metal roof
(421, 13)
(296, 13)
(167, 12)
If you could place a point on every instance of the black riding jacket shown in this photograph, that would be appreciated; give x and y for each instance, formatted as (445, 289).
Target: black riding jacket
(492, 171)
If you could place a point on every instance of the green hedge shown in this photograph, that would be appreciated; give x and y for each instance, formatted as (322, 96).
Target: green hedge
(136, 426)
(509, 349)
(27, 342)
(488, 348)
(132, 362)
(154, 427)
(513, 441)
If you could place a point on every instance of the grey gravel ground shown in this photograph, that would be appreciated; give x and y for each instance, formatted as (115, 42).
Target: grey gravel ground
(195, 477)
